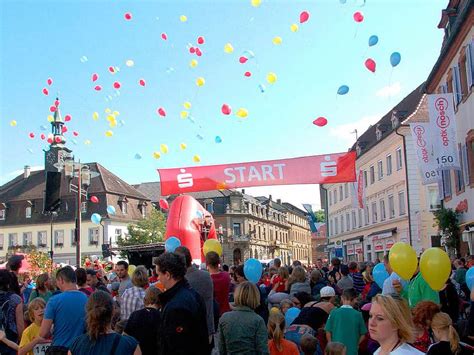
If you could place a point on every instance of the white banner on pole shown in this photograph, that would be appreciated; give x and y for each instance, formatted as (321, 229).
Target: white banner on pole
(423, 143)
(443, 131)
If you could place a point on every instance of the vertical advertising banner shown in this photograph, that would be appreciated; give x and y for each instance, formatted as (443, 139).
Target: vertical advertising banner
(358, 191)
(312, 220)
(423, 144)
(443, 130)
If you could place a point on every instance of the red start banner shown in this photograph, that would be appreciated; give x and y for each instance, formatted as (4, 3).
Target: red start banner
(317, 169)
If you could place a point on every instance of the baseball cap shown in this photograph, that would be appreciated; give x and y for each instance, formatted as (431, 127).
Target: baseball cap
(327, 291)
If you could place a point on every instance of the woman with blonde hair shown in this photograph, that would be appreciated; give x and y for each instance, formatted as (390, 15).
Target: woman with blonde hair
(391, 325)
(132, 298)
(278, 344)
(447, 337)
(42, 288)
(242, 331)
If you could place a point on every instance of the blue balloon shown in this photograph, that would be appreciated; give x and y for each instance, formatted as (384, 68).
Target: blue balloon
(96, 218)
(171, 244)
(111, 209)
(373, 40)
(291, 315)
(395, 59)
(253, 270)
(262, 88)
(470, 278)
(343, 89)
(138, 156)
(380, 274)
(218, 139)
(342, 1)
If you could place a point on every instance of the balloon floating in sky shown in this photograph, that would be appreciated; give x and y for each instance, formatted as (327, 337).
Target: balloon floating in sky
(43, 127)
(304, 16)
(87, 142)
(271, 78)
(218, 139)
(395, 59)
(226, 109)
(370, 64)
(198, 52)
(193, 63)
(200, 81)
(320, 122)
(187, 105)
(183, 146)
(117, 85)
(95, 116)
(198, 136)
(138, 156)
(262, 88)
(75, 133)
(164, 36)
(129, 63)
(128, 16)
(161, 111)
(200, 40)
(171, 244)
(49, 81)
(358, 16)
(142, 82)
(164, 148)
(183, 18)
(256, 3)
(294, 27)
(373, 40)
(184, 114)
(43, 136)
(343, 89)
(111, 209)
(242, 113)
(248, 74)
(243, 60)
(13, 123)
(50, 118)
(109, 133)
(228, 48)
(98, 88)
(63, 129)
(196, 158)
(94, 77)
(112, 70)
(156, 155)
(45, 91)
(67, 118)
(277, 40)
(96, 218)
(32, 135)
(52, 108)
(83, 59)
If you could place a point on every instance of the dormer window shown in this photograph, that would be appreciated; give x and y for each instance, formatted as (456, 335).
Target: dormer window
(142, 207)
(358, 149)
(395, 120)
(28, 212)
(123, 203)
(2, 214)
(378, 133)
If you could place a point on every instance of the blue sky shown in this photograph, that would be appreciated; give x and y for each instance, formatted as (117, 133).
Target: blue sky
(42, 39)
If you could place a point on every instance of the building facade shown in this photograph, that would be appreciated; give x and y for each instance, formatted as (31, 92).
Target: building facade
(318, 244)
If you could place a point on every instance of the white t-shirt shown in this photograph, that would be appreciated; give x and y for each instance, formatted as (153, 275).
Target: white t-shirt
(388, 286)
(403, 349)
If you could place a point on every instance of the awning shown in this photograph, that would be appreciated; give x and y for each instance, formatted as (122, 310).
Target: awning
(385, 231)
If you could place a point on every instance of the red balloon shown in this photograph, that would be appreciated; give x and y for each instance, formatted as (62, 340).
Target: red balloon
(95, 77)
(75, 133)
(320, 122)
(142, 82)
(52, 109)
(198, 52)
(304, 16)
(94, 199)
(67, 118)
(56, 103)
(50, 140)
(112, 69)
(45, 91)
(128, 16)
(192, 50)
(226, 109)
(200, 40)
(161, 111)
(42, 136)
(164, 36)
(358, 16)
(58, 139)
(164, 204)
(49, 81)
(117, 85)
(98, 88)
(64, 129)
(32, 135)
(370, 64)
(248, 74)
(243, 60)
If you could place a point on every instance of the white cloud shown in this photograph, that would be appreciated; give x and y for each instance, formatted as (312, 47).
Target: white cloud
(389, 90)
(13, 174)
(345, 132)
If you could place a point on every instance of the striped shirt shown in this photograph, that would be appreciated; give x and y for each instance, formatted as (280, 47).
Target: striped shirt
(132, 300)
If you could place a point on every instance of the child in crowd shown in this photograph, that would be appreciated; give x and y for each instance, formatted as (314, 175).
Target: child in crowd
(309, 344)
(335, 348)
(285, 305)
(277, 343)
(30, 337)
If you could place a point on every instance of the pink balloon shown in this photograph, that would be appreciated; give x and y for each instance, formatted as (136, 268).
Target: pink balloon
(75, 133)
(112, 69)
(32, 135)
(358, 16)
(117, 85)
(56, 103)
(142, 82)
(98, 88)
(226, 109)
(198, 52)
(49, 81)
(304, 16)
(192, 50)
(128, 16)
(200, 40)
(370, 64)
(94, 199)
(164, 204)
(320, 122)
(164, 36)
(50, 140)
(248, 74)
(42, 136)
(161, 111)
(64, 129)
(243, 60)
(45, 91)
(95, 77)
(67, 118)
(58, 139)
(52, 108)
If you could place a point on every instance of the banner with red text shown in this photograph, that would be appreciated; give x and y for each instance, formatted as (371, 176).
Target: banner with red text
(358, 191)
(423, 143)
(317, 169)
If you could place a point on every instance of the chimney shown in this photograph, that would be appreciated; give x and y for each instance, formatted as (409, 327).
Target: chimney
(27, 171)
(270, 197)
(243, 191)
(279, 201)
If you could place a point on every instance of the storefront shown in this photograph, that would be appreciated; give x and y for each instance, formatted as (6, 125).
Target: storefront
(380, 243)
(354, 250)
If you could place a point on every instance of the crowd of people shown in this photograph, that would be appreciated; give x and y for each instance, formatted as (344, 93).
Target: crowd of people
(181, 308)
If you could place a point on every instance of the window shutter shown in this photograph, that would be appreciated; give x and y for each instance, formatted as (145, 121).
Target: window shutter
(470, 55)
(469, 63)
(465, 164)
(457, 85)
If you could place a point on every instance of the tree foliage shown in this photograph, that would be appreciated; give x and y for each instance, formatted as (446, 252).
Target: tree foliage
(320, 216)
(146, 231)
(447, 221)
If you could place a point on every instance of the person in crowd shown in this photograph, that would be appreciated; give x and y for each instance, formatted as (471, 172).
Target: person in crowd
(450, 300)
(220, 280)
(417, 290)
(14, 265)
(460, 273)
(309, 345)
(28, 287)
(335, 348)
(277, 263)
(202, 283)
(368, 345)
(311, 320)
(327, 300)
(322, 268)
(279, 281)
(297, 281)
(317, 283)
(393, 281)
(335, 268)
(81, 281)
(65, 312)
(278, 344)
(300, 299)
(345, 282)
(42, 288)
(144, 324)
(11, 309)
(423, 314)
(183, 317)
(367, 273)
(100, 338)
(345, 324)
(30, 337)
(242, 331)
(132, 298)
(391, 325)
(356, 276)
(121, 269)
(285, 305)
(446, 336)
(94, 282)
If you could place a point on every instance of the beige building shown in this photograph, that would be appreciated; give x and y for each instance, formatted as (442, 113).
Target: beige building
(396, 206)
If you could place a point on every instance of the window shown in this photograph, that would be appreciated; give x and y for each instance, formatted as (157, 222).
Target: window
(336, 225)
(28, 212)
(354, 221)
(380, 169)
(73, 237)
(457, 86)
(401, 203)
(389, 165)
(382, 210)
(93, 236)
(433, 198)
(2, 215)
(59, 238)
(236, 229)
(2, 237)
(470, 65)
(27, 238)
(366, 212)
(391, 206)
(42, 238)
(12, 239)
(340, 193)
(459, 174)
(463, 72)
(366, 181)
(84, 207)
(360, 217)
(124, 207)
(143, 210)
(446, 175)
(348, 222)
(469, 156)
(372, 175)
(342, 223)
(374, 212)
(399, 158)
(346, 190)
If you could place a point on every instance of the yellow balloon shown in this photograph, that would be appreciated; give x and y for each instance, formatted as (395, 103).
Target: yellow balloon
(193, 63)
(242, 112)
(50, 118)
(110, 118)
(183, 146)
(277, 40)
(113, 124)
(109, 133)
(271, 78)
(13, 123)
(187, 105)
(129, 63)
(274, 310)
(256, 3)
(108, 110)
(184, 114)
(87, 142)
(294, 27)
(156, 155)
(183, 18)
(200, 81)
(403, 260)
(131, 269)
(116, 113)
(435, 267)
(196, 158)
(212, 245)
(164, 148)
(95, 116)
(228, 48)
